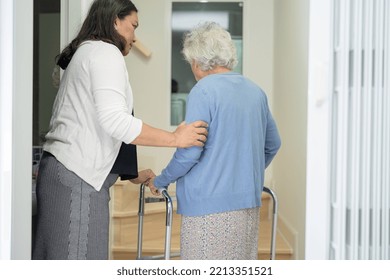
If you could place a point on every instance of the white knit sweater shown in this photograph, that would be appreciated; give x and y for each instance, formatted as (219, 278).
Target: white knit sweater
(92, 112)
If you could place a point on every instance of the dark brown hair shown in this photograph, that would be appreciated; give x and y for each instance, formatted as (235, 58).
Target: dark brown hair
(99, 25)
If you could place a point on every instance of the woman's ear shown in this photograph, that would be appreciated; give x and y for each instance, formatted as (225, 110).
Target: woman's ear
(116, 23)
(194, 65)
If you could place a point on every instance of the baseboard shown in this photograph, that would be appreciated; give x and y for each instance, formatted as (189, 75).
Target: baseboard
(289, 234)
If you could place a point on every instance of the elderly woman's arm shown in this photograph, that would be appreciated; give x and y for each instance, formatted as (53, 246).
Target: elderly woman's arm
(272, 140)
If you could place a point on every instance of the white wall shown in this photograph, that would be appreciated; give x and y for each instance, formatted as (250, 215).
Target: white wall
(290, 104)
(150, 77)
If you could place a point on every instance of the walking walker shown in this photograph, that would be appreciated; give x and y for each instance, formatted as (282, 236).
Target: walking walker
(274, 220)
(169, 217)
(168, 223)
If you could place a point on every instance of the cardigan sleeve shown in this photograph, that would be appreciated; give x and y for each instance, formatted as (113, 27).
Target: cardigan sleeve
(112, 95)
(185, 159)
(272, 139)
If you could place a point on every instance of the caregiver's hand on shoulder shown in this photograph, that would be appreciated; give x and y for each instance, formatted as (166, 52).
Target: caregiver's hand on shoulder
(193, 134)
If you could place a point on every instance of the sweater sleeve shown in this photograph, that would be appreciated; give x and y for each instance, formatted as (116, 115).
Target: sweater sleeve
(185, 159)
(112, 95)
(272, 140)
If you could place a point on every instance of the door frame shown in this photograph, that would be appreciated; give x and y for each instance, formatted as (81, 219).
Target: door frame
(318, 132)
(16, 128)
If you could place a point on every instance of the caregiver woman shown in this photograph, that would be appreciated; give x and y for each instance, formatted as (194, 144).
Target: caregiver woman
(92, 117)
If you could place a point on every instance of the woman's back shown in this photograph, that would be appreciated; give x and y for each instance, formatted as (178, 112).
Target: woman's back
(229, 171)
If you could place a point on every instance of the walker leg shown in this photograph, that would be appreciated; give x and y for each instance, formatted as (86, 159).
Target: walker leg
(141, 211)
(274, 220)
(168, 230)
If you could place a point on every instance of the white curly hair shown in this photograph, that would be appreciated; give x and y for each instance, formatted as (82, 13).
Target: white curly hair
(209, 45)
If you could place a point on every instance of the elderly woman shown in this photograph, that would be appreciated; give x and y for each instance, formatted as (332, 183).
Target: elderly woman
(219, 185)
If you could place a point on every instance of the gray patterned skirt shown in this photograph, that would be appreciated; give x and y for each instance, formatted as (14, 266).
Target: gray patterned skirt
(222, 236)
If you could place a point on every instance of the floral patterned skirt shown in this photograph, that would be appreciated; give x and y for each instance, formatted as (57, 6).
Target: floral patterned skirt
(222, 236)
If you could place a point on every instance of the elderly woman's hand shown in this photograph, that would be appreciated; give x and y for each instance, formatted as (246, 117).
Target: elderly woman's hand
(153, 188)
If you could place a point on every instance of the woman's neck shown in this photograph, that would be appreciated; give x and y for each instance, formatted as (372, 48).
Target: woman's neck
(219, 70)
